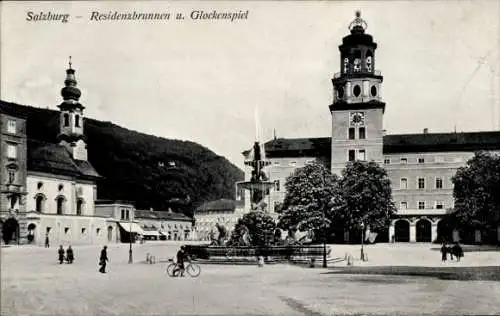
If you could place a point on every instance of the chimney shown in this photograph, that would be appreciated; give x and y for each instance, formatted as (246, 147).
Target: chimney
(426, 130)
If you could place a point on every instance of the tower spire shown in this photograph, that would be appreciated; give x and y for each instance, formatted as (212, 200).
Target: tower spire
(69, 62)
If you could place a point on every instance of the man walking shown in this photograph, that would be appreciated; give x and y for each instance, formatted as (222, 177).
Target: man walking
(61, 254)
(47, 241)
(103, 259)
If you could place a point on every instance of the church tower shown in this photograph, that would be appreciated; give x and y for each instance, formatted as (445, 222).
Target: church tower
(357, 109)
(71, 118)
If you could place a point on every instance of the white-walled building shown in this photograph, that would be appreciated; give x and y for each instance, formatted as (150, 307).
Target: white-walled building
(49, 189)
(223, 212)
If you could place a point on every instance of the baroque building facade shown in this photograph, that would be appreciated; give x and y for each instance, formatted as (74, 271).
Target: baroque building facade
(420, 166)
(49, 189)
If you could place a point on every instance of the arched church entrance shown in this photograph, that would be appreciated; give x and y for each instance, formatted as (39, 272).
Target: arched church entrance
(31, 233)
(10, 231)
(423, 230)
(402, 231)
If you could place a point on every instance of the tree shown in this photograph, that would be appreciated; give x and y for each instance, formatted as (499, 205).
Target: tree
(313, 197)
(258, 225)
(367, 191)
(476, 192)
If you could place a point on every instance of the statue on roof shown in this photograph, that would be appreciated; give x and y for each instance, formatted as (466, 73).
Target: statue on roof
(358, 22)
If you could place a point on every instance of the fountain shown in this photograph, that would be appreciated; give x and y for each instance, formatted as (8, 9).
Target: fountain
(259, 184)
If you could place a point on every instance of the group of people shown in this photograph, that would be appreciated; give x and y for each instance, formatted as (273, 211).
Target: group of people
(454, 251)
(70, 257)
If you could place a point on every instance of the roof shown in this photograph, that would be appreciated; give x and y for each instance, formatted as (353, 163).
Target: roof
(55, 159)
(220, 205)
(160, 215)
(441, 142)
(400, 143)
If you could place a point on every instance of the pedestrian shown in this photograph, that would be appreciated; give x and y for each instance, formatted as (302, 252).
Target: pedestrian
(47, 241)
(61, 254)
(444, 251)
(69, 255)
(458, 251)
(103, 259)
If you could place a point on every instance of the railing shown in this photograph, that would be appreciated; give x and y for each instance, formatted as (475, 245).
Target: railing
(284, 252)
(339, 74)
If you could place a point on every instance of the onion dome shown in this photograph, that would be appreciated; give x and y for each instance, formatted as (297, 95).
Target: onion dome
(70, 91)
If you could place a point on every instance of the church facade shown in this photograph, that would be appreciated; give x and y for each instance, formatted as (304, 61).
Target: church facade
(49, 189)
(420, 166)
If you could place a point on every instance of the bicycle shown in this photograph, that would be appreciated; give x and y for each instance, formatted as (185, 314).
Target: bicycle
(191, 268)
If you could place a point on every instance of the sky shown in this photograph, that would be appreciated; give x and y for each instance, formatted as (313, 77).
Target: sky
(204, 80)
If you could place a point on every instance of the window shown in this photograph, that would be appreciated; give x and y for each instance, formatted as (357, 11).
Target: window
(39, 185)
(421, 183)
(11, 126)
(346, 64)
(277, 184)
(276, 163)
(403, 184)
(61, 187)
(362, 155)
(421, 160)
(97, 231)
(12, 176)
(83, 230)
(122, 214)
(39, 203)
(79, 206)
(439, 205)
(66, 230)
(362, 133)
(66, 119)
(11, 151)
(127, 214)
(356, 90)
(60, 205)
(77, 120)
(293, 163)
(387, 161)
(404, 161)
(352, 155)
(439, 183)
(351, 133)
(403, 205)
(421, 205)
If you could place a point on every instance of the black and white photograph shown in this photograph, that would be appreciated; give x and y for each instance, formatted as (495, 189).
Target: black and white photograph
(249, 158)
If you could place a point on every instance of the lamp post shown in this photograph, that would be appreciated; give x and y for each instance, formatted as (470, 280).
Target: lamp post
(362, 241)
(130, 240)
(324, 228)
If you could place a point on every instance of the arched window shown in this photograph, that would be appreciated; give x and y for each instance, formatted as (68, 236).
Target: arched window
(66, 119)
(39, 203)
(60, 205)
(77, 120)
(357, 61)
(79, 207)
(346, 65)
(369, 60)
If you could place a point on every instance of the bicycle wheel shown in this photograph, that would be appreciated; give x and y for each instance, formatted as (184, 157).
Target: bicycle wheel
(193, 270)
(171, 270)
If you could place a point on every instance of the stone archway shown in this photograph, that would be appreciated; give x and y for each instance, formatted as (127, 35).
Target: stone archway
(402, 231)
(10, 231)
(423, 230)
(445, 230)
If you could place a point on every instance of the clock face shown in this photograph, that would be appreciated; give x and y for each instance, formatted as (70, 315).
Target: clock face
(357, 118)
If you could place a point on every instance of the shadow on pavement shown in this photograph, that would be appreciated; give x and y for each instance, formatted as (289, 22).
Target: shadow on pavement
(485, 273)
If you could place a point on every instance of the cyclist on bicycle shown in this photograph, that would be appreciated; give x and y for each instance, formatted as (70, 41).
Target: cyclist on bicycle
(181, 257)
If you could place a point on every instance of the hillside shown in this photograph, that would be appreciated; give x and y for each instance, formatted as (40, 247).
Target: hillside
(152, 171)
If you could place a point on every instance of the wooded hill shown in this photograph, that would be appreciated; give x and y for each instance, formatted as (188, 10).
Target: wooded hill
(148, 170)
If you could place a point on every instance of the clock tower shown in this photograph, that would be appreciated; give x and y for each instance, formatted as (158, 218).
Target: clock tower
(357, 109)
